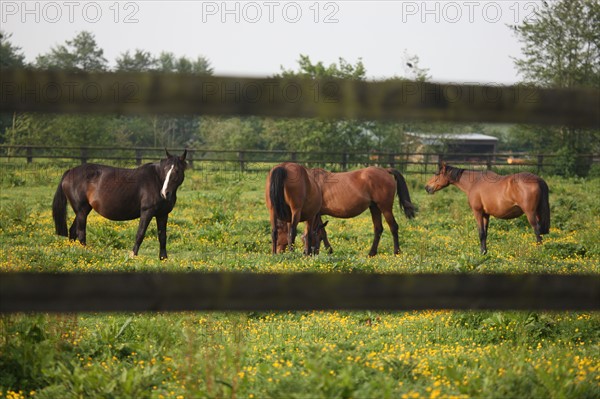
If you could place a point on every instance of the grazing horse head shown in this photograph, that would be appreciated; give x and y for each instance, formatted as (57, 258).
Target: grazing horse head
(292, 196)
(319, 233)
(445, 176)
(282, 236)
(171, 172)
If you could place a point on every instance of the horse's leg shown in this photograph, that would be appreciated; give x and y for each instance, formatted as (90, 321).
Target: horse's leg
(391, 221)
(534, 222)
(292, 236)
(482, 223)
(294, 229)
(73, 230)
(377, 228)
(310, 239)
(80, 222)
(486, 223)
(327, 244)
(145, 219)
(274, 240)
(161, 225)
(274, 231)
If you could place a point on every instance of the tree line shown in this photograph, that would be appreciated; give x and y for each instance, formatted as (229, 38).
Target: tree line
(560, 48)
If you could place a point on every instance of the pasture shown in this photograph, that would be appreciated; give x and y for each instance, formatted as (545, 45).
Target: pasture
(221, 223)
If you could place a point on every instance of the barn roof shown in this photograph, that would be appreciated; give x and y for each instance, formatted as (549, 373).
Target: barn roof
(438, 138)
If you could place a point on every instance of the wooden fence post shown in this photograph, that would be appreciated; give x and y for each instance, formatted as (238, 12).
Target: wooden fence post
(540, 163)
(241, 157)
(83, 155)
(190, 158)
(29, 154)
(138, 157)
(392, 160)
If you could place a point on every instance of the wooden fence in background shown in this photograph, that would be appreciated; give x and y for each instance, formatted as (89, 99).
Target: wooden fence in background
(259, 160)
(144, 93)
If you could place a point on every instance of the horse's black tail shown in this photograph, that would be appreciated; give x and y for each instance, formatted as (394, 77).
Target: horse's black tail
(403, 195)
(59, 210)
(543, 208)
(276, 193)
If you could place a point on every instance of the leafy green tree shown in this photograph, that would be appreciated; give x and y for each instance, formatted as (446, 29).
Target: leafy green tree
(561, 45)
(231, 133)
(160, 130)
(168, 62)
(310, 135)
(139, 61)
(63, 130)
(390, 136)
(10, 57)
(314, 135)
(342, 70)
(561, 49)
(79, 54)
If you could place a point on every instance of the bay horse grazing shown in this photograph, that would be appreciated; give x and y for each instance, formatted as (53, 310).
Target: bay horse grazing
(292, 196)
(320, 236)
(348, 194)
(120, 194)
(504, 197)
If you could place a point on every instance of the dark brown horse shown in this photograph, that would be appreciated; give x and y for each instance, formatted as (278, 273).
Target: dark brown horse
(120, 194)
(292, 196)
(321, 236)
(504, 197)
(348, 194)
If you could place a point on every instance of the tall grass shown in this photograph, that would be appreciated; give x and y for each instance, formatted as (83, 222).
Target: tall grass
(220, 223)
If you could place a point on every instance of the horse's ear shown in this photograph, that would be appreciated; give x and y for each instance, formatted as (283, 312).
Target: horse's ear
(324, 224)
(168, 153)
(182, 158)
(443, 166)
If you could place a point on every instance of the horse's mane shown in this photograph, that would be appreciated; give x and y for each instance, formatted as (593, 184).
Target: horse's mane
(454, 173)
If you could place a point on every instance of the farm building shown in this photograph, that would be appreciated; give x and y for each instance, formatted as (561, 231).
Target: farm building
(454, 147)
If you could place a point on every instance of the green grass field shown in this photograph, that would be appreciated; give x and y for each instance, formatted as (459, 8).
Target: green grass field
(220, 223)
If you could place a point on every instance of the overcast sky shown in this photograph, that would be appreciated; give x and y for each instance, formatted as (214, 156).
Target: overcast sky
(459, 41)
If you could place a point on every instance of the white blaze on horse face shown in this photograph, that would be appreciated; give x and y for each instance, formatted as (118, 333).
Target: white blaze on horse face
(163, 192)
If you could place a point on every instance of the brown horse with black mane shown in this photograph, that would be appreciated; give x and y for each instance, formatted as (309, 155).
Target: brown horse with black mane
(292, 196)
(120, 194)
(504, 197)
(348, 194)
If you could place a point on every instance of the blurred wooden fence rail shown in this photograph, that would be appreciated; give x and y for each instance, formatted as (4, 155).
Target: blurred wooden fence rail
(145, 93)
(180, 94)
(23, 292)
(259, 160)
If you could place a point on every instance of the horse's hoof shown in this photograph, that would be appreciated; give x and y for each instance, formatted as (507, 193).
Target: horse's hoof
(163, 257)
